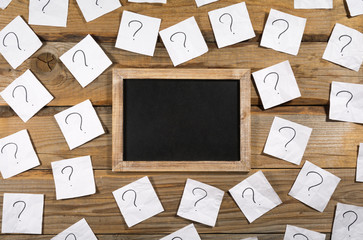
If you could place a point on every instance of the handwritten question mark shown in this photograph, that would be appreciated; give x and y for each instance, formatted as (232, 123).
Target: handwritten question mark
(350, 99)
(22, 209)
(141, 25)
(69, 177)
(176, 238)
(75, 113)
(253, 194)
(75, 238)
(277, 80)
(356, 218)
(350, 40)
(16, 149)
(291, 138)
(322, 180)
(300, 234)
(287, 26)
(16, 37)
(135, 194)
(200, 199)
(185, 38)
(231, 22)
(44, 6)
(97, 4)
(84, 57)
(26, 93)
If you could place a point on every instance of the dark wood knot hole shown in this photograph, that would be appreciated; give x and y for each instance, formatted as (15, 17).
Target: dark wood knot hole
(46, 62)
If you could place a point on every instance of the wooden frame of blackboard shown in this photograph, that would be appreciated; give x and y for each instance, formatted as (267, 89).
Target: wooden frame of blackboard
(118, 163)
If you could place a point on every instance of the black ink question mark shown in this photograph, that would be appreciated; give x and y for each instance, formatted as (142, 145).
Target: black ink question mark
(75, 113)
(84, 57)
(141, 25)
(185, 38)
(225, 14)
(277, 80)
(253, 194)
(75, 238)
(176, 238)
(356, 218)
(69, 177)
(97, 4)
(322, 180)
(26, 93)
(287, 27)
(22, 209)
(300, 234)
(345, 44)
(351, 97)
(198, 188)
(16, 149)
(45, 6)
(291, 138)
(17, 40)
(131, 190)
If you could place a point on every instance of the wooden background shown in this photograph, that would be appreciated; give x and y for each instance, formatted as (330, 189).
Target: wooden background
(332, 146)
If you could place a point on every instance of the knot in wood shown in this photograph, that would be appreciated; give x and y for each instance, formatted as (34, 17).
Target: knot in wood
(46, 62)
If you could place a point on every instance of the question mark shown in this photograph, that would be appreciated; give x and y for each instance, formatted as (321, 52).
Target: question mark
(17, 40)
(291, 138)
(206, 194)
(69, 178)
(26, 93)
(356, 218)
(141, 25)
(45, 5)
(22, 209)
(75, 238)
(287, 27)
(277, 80)
(253, 194)
(75, 113)
(230, 26)
(131, 190)
(345, 44)
(300, 234)
(97, 4)
(185, 38)
(350, 99)
(16, 149)
(322, 180)
(176, 238)
(84, 57)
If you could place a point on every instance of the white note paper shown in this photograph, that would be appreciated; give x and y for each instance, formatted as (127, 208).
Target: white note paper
(19, 42)
(359, 171)
(346, 102)
(26, 95)
(138, 201)
(345, 47)
(294, 233)
(48, 13)
(314, 186)
(355, 7)
(287, 140)
(204, 2)
(189, 232)
(283, 32)
(4, 3)
(276, 84)
(138, 33)
(22, 213)
(231, 24)
(348, 222)
(255, 196)
(184, 41)
(95, 9)
(79, 231)
(313, 4)
(148, 1)
(79, 124)
(17, 154)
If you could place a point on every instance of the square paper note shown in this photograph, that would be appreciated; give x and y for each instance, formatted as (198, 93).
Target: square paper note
(355, 7)
(138, 201)
(255, 196)
(294, 233)
(79, 230)
(276, 84)
(200, 202)
(346, 102)
(138, 33)
(79, 124)
(313, 4)
(22, 213)
(48, 13)
(283, 32)
(348, 223)
(359, 172)
(17, 154)
(189, 232)
(231, 24)
(287, 140)
(86, 61)
(184, 41)
(204, 2)
(314, 186)
(4, 3)
(345, 47)
(95, 9)
(73, 177)
(19, 42)
(26, 95)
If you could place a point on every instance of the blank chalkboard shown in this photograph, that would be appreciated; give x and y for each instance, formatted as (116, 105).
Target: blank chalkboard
(181, 120)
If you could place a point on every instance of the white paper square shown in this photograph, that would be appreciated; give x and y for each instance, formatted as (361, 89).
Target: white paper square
(314, 186)
(17, 154)
(4, 3)
(95, 9)
(138, 201)
(287, 140)
(255, 196)
(19, 42)
(48, 13)
(79, 124)
(359, 171)
(73, 177)
(204, 2)
(346, 102)
(22, 213)
(348, 222)
(345, 47)
(283, 32)
(231, 24)
(148, 1)
(313, 4)
(80, 230)
(294, 233)
(138, 33)
(276, 84)
(86, 61)
(184, 41)
(189, 232)
(200, 202)
(355, 7)
(26, 95)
